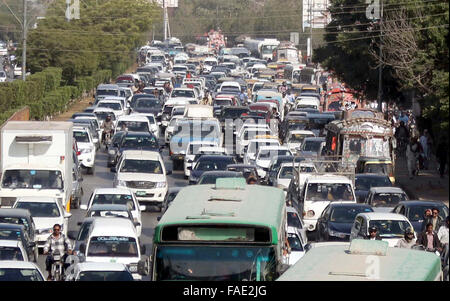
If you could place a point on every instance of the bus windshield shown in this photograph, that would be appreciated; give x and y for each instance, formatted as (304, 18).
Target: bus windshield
(218, 263)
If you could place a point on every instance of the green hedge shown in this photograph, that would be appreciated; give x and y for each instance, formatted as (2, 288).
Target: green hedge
(43, 94)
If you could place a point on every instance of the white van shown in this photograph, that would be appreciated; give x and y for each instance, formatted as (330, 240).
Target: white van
(114, 240)
(199, 111)
(307, 103)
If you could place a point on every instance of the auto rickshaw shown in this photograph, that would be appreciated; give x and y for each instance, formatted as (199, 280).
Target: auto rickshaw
(376, 165)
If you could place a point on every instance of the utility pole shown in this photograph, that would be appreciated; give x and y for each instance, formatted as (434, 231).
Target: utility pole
(380, 68)
(165, 20)
(24, 31)
(311, 30)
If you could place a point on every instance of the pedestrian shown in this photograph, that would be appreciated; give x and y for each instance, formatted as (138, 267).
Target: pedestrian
(424, 143)
(443, 232)
(373, 234)
(442, 154)
(429, 239)
(252, 180)
(408, 241)
(411, 150)
(435, 219)
(429, 145)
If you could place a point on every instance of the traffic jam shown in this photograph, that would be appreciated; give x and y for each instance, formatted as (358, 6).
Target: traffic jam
(215, 162)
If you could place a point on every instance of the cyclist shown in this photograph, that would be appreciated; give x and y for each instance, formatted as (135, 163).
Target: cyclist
(56, 241)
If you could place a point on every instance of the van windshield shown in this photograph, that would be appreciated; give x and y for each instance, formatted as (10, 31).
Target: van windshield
(10, 253)
(40, 209)
(107, 92)
(114, 199)
(112, 246)
(112, 105)
(329, 192)
(32, 179)
(142, 166)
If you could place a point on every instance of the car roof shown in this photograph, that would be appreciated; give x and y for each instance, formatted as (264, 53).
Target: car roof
(383, 216)
(329, 179)
(10, 243)
(348, 204)
(101, 266)
(11, 226)
(387, 189)
(418, 202)
(117, 207)
(113, 226)
(222, 173)
(15, 212)
(17, 264)
(273, 147)
(37, 199)
(215, 157)
(142, 155)
(314, 139)
(112, 191)
(132, 117)
(370, 175)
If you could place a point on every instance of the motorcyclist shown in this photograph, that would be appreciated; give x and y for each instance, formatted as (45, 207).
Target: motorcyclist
(408, 241)
(373, 234)
(283, 87)
(107, 127)
(56, 241)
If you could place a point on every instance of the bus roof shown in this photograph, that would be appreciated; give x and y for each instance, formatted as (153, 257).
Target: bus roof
(230, 201)
(339, 263)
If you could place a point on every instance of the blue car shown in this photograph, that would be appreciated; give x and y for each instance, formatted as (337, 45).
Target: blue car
(337, 219)
(414, 211)
(365, 181)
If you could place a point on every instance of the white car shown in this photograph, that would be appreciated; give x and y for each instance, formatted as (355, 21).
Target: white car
(134, 123)
(97, 125)
(102, 113)
(46, 212)
(171, 128)
(306, 170)
(295, 139)
(307, 103)
(86, 147)
(144, 173)
(3, 77)
(122, 196)
(154, 126)
(297, 245)
(391, 226)
(116, 105)
(12, 270)
(284, 176)
(193, 149)
(265, 154)
(247, 134)
(12, 250)
(254, 145)
(294, 220)
(98, 271)
(319, 191)
(185, 94)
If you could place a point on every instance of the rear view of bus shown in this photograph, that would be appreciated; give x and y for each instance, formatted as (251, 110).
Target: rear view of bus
(227, 231)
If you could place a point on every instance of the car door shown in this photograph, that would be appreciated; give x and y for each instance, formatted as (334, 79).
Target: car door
(363, 230)
(322, 222)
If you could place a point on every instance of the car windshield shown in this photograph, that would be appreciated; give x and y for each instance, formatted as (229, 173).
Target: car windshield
(38, 209)
(107, 92)
(102, 116)
(108, 213)
(381, 168)
(10, 253)
(296, 126)
(307, 169)
(267, 154)
(233, 114)
(112, 105)
(286, 172)
(81, 137)
(346, 215)
(294, 242)
(365, 183)
(329, 192)
(139, 141)
(311, 146)
(213, 164)
(183, 93)
(211, 179)
(146, 103)
(32, 179)
(416, 212)
(390, 228)
(141, 166)
(134, 126)
(298, 138)
(105, 276)
(12, 274)
(293, 220)
(197, 129)
(387, 199)
(112, 246)
(254, 146)
(114, 199)
(252, 133)
(206, 263)
(222, 102)
(15, 220)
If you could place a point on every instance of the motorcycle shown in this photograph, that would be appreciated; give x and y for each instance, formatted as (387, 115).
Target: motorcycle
(107, 140)
(57, 266)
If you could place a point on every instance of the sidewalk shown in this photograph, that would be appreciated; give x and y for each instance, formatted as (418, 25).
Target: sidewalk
(427, 186)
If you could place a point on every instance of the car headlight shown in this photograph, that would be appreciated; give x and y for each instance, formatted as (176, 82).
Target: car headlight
(112, 152)
(160, 184)
(310, 213)
(133, 267)
(336, 234)
(44, 231)
(86, 150)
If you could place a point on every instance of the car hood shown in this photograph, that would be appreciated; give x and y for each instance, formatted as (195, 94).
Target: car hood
(263, 163)
(147, 110)
(148, 148)
(46, 222)
(131, 176)
(383, 209)
(295, 256)
(341, 227)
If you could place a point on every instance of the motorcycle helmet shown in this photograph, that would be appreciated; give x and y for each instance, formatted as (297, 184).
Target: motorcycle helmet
(407, 232)
(373, 229)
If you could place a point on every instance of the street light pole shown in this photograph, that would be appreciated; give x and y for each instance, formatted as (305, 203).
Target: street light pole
(24, 31)
(380, 68)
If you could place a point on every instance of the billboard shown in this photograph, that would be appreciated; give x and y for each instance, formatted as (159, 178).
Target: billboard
(316, 12)
(169, 3)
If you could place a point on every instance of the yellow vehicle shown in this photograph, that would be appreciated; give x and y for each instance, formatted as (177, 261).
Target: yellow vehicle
(376, 165)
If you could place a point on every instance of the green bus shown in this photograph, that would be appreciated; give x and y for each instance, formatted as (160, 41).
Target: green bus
(364, 260)
(227, 231)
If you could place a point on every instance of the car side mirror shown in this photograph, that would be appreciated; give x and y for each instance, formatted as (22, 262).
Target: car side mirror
(83, 248)
(158, 218)
(308, 247)
(32, 244)
(169, 172)
(143, 249)
(68, 215)
(72, 234)
(137, 224)
(83, 207)
(143, 267)
(113, 169)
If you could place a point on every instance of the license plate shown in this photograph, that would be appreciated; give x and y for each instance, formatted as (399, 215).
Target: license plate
(141, 193)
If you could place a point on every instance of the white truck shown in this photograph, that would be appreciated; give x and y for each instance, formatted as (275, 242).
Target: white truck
(37, 160)
(262, 48)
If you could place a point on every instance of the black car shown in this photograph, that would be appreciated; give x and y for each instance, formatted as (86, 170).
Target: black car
(114, 148)
(274, 167)
(414, 211)
(20, 233)
(247, 170)
(230, 114)
(209, 163)
(148, 105)
(337, 219)
(137, 141)
(365, 181)
(138, 96)
(210, 177)
(171, 194)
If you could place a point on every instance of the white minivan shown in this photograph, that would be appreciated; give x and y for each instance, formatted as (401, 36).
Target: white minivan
(114, 240)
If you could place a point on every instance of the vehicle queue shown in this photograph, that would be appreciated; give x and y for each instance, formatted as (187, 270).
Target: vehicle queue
(276, 174)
